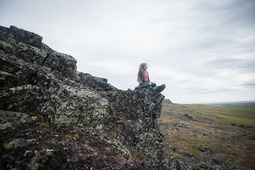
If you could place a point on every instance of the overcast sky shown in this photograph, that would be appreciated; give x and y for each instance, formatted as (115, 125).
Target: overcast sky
(203, 50)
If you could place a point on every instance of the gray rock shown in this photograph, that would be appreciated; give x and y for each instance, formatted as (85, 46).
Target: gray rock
(25, 36)
(85, 119)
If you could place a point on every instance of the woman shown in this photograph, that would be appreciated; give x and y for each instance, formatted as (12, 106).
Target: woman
(144, 80)
(143, 76)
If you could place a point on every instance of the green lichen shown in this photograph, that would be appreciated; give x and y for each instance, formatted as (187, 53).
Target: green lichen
(21, 142)
(9, 107)
(12, 89)
(34, 118)
(5, 126)
(64, 104)
(63, 119)
(11, 41)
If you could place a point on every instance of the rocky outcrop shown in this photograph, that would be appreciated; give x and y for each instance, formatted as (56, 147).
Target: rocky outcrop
(53, 117)
(23, 36)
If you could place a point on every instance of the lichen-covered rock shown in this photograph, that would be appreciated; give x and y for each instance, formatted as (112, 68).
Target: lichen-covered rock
(47, 86)
(22, 35)
(60, 62)
(20, 142)
(12, 120)
(97, 83)
(134, 116)
(53, 117)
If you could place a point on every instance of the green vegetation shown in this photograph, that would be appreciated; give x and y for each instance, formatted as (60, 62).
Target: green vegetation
(224, 131)
(241, 114)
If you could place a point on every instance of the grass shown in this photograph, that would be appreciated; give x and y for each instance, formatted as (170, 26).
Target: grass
(242, 114)
(228, 130)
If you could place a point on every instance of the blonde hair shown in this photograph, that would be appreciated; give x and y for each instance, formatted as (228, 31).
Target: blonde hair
(140, 74)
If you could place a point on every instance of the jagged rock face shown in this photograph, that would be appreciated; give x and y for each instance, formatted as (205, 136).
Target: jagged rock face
(134, 117)
(55, 117)
(140, 109)
(23, 36)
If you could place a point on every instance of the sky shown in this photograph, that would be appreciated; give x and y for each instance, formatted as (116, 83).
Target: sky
(203, 50)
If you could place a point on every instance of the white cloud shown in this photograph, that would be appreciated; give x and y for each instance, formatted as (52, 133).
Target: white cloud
(201, 49)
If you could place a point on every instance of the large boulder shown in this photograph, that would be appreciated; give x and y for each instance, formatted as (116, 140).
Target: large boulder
(23, 35)
(134, 116)
(53, 117)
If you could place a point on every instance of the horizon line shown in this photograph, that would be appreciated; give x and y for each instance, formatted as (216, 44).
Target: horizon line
(216, 102)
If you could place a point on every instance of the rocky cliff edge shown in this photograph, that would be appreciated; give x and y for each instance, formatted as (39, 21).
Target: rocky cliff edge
(53, 117)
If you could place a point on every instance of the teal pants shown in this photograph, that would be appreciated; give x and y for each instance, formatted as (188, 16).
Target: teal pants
(146, 84)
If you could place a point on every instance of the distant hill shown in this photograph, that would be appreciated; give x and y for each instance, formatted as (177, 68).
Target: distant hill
(233, 102)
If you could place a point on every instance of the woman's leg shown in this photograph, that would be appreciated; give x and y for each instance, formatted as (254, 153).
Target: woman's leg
(145, 84)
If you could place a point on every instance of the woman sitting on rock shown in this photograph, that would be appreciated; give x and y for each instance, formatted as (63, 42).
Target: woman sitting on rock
(144, 80)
